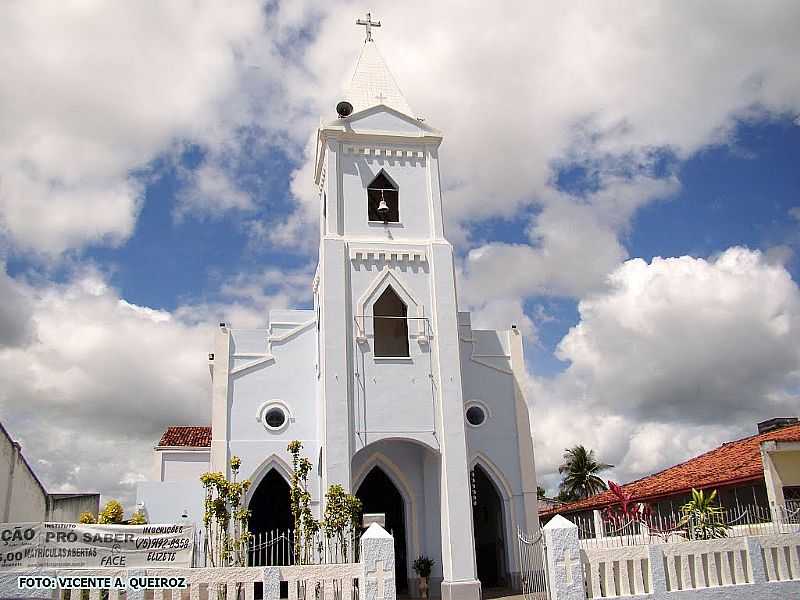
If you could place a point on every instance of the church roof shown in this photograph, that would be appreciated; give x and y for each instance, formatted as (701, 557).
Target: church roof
(373, 84)
(730, 464)
(186, 436)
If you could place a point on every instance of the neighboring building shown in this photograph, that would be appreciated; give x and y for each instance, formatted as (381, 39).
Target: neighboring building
(23, 498)
(760, 472)
(547, 505)
(391, 390)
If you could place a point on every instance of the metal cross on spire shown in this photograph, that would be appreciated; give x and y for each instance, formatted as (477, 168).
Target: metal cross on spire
(368, 25)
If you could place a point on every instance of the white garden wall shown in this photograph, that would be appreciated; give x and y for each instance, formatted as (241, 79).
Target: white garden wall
(763, 567)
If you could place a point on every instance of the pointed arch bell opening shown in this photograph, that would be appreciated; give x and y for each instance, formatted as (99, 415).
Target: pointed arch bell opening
(383, 199)
(391, 325)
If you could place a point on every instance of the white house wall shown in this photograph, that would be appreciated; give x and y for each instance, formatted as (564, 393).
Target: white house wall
(179, 465)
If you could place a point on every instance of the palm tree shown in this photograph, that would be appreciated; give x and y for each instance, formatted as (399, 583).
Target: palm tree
(579, 473)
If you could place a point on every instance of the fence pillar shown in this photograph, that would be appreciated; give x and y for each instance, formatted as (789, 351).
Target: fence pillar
(9, 586)
(377, 563)
(564, 560)
(658, 576)
(599, 530)
(272, 583)
(756, 563)
(130, 593)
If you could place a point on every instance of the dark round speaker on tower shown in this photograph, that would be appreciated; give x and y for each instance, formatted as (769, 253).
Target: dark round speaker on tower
(344, 108)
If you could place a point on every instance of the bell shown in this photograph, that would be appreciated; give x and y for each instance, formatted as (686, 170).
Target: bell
(383, 210)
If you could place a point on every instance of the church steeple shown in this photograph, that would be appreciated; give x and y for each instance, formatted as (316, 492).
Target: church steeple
(372, 83)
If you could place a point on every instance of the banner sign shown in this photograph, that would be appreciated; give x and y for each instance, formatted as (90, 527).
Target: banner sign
(78, 546)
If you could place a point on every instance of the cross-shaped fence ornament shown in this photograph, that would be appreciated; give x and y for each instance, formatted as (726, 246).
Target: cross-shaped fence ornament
(380, 97)
(568, 564)
(380, 573)
(368, 25)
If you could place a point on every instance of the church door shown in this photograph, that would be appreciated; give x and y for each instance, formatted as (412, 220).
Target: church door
(487, 519)
(271, 522)
(379, 495)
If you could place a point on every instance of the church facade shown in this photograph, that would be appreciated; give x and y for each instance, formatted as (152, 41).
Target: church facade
(392, 392)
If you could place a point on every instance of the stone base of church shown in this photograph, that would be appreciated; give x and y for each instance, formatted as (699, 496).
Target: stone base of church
(461, 590)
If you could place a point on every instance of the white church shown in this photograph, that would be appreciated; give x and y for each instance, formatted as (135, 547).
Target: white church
(392, 392)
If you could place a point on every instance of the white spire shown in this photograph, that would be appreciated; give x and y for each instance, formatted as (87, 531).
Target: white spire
(372, 82)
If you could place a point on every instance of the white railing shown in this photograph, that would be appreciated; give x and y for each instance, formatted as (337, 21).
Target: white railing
(533, 565)
(694, 566)
(707, 564)
(276, 548)
(618, 572)
(663, 529)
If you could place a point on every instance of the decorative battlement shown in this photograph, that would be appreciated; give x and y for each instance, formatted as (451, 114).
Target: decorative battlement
(385, 152)
(389, 255)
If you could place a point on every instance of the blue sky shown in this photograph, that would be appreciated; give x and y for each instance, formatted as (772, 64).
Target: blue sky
(733, 194)
(158, 180)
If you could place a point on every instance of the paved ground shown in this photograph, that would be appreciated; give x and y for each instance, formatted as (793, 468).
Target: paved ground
(488, 594)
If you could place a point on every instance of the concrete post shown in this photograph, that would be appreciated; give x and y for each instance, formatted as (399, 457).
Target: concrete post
(130, 593)
(563, 560)
(377, 561)
(599, 531)
(272, 583)
(755, 562)
(658, 575)
(9, 585)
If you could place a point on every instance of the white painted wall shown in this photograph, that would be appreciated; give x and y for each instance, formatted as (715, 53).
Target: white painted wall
(22, 497)
(165, 501)
(183, 465)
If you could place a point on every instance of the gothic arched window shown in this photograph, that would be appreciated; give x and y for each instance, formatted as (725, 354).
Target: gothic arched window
(383, 189)
(391, 326)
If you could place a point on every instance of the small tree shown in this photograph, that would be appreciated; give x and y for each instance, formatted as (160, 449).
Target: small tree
(138, 518)
(225, 518)
(305, 525)
(112, 513)
(87, 518)
(342, 513)
(702, 518)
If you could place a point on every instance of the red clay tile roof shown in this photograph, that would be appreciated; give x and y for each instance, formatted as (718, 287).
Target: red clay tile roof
(192, 436)
(732, 463)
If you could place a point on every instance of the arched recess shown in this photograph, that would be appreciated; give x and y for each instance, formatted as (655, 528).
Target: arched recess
(272, 462)
(482, 466)
(395, 475)
(270, 515)
(367, 300)
(383, 188)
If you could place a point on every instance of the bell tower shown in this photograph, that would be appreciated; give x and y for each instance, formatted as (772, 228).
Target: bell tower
(385, 295)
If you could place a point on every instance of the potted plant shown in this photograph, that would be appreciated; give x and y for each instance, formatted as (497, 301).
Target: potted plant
(422, 567)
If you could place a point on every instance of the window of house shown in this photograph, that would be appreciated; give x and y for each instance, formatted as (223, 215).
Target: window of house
(383, 189)
(391, 325)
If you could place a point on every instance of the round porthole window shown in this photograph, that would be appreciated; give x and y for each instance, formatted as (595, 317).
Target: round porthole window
(274, 416)
(476, 415)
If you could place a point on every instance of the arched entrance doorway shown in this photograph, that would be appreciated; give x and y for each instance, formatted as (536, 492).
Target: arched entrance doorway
(271, 522)
(488, 526)
(379, 495)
